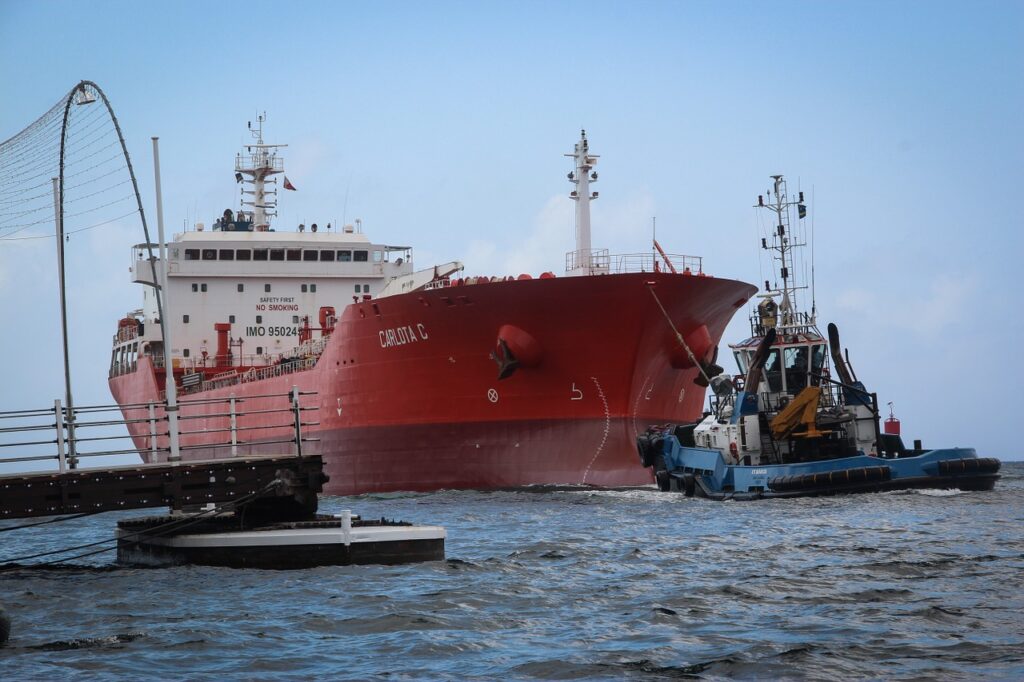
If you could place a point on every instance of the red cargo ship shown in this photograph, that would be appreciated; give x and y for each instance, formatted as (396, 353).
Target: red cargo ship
(426, 379)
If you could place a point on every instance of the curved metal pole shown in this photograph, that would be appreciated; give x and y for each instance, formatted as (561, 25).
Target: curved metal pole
(82, 85)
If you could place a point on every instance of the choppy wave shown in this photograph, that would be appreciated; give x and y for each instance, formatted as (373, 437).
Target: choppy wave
(565, 583)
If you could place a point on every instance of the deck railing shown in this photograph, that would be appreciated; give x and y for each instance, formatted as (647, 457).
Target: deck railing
(64, 439)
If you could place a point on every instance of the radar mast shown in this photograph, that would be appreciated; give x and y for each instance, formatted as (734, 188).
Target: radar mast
(781, 245)
(583, 262)
(253, 167)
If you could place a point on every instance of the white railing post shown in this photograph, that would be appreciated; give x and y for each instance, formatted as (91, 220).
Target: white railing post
(152, 433)
(59, 424)
(234, 428)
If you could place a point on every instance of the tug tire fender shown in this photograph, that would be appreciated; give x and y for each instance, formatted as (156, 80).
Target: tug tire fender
(840, 478)
(982, 465)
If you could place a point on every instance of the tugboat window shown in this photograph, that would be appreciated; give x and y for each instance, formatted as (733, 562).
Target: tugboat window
(294, 254)
(244, 254)
(303, 288)
(818, 359)
(227, 254)
(741, 361)
(185, 352)
(360, 256)
(184, 319)
(796, 369)
(259, 254)
(312, 288)
(309, 254)
(231, 319)
(326, 255)
(344, 256)
(773, 371)
(259, 319)
(209, 254)
(277, 254)
(191, 254)
(266, 288)
(202, 288)
(195, 287)
(241, 288)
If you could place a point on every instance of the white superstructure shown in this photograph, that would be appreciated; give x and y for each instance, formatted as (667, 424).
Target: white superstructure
(266, 288)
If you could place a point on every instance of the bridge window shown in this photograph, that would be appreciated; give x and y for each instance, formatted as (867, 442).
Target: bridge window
(309, 254)
(344, 256)
(227, 254)
(277, 254)
(741, 361)
(326, 255)
(260, 254)
(243, 254)
(209, 254)
(796, 368)
(191, 254)
(294, 254)
(773, 371)
(360, 256)
(818, 358)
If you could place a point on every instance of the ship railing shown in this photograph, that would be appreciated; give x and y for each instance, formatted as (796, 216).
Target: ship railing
(650, 262)
(58, 439)
(247, 162)
(600, 261)
(590, 260)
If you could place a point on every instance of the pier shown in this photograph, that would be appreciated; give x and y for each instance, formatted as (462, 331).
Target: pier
(254, 507)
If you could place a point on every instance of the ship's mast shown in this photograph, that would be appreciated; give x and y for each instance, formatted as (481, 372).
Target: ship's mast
(781, 244)
(259, 162)
(581, 177)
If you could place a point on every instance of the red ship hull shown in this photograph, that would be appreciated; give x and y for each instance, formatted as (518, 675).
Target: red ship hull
(409, 396)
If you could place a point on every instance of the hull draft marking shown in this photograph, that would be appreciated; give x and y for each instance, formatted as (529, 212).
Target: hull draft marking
(636, 404)
(607, 427)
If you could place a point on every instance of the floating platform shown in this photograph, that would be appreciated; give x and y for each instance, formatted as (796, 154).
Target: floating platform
(341, 540)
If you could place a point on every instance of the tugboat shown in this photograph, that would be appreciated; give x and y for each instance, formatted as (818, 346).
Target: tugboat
(785, 427)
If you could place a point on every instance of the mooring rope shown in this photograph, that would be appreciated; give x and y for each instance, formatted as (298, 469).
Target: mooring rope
(679, 336)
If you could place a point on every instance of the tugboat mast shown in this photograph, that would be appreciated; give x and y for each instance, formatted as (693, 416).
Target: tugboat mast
(261, 162)
(781, 243)
(581, 177)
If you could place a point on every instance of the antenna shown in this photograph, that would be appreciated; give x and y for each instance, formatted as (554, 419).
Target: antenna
(814, 298)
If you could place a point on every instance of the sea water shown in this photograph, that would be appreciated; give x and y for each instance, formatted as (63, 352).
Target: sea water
(561, 584)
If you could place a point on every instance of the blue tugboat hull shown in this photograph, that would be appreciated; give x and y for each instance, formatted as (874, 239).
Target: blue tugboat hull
(704, 472)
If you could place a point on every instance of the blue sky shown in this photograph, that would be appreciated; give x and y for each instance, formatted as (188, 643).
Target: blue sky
(444, 125)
